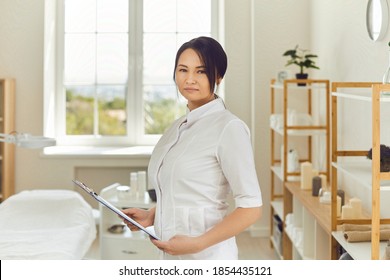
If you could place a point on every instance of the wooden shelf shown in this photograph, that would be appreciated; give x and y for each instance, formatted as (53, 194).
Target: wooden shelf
(364, 172)
(320, 211)
(7, 151)
(302, 99)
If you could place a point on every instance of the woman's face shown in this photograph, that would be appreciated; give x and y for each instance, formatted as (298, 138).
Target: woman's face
(191, 79)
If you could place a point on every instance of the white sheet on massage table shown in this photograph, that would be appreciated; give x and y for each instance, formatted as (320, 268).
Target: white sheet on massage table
(46, 224)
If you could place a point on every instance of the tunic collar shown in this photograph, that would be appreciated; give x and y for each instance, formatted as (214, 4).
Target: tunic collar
(211, 107)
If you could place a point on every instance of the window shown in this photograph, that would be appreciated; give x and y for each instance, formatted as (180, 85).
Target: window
(114, 65)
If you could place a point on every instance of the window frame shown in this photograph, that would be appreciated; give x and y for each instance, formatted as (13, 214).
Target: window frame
(54, 92)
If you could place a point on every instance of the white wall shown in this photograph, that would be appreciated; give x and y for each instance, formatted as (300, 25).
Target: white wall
(340, 38)
(333, 29)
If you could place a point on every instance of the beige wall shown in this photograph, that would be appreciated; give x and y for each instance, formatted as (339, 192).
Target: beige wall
(257, 33)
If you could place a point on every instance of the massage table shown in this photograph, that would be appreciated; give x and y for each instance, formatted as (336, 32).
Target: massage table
(46, 225)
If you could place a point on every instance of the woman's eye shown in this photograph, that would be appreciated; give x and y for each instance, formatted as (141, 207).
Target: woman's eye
(202, 72)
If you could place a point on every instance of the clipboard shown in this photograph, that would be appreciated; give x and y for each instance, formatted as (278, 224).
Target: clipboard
(101, 200)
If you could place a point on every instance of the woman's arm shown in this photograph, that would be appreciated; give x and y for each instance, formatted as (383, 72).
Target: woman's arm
(230, 226)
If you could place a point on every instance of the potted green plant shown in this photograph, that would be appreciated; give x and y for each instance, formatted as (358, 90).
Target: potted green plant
(303, 59)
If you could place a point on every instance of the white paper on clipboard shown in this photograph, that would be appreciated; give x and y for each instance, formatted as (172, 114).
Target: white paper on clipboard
(91, 192)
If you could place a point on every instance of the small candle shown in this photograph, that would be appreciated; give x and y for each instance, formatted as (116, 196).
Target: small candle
(356, 205)
(306, 175)
(346, 212)
(316, 185)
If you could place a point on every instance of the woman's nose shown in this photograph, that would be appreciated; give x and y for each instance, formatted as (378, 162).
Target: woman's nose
(190, 79)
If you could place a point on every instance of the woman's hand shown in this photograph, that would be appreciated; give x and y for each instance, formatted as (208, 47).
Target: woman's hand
(141, 216)
(179, 245)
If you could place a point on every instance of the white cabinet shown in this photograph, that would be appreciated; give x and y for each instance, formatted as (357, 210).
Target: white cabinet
(127, 244)
(351, 170)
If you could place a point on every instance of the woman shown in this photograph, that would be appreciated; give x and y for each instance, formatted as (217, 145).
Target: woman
(201, 158)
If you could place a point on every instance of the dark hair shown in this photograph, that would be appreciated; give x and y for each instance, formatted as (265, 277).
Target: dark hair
(210, 53)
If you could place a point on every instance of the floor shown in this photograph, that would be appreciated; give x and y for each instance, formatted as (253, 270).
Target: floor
(254, 248)
(250, 248)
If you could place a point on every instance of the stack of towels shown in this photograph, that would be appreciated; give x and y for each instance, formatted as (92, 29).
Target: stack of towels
(362, 233)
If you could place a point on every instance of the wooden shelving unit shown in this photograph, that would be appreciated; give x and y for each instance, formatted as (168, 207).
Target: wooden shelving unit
(363, 171)
(284, 134)
(312, 218)
(7, 125)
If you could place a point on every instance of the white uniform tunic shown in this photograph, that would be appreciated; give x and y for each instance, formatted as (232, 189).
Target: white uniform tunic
(201, 158)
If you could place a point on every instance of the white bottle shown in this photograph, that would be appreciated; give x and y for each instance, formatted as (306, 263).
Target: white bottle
(141, 184)
(134, 184)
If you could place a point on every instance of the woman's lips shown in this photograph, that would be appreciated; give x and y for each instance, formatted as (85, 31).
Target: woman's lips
(190, 89)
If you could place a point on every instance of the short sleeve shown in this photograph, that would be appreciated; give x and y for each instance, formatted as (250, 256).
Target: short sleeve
(235, 155)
